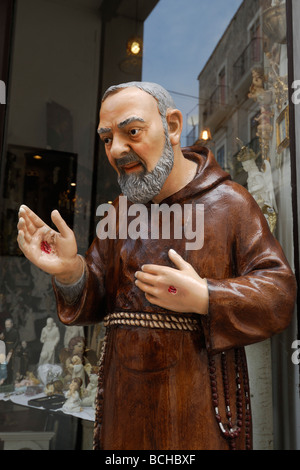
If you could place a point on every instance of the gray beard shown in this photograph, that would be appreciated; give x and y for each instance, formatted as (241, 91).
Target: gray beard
(143, 187)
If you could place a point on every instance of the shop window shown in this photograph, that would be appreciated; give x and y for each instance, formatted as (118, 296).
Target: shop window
(47, 163)
(260, 75)
(51, 159)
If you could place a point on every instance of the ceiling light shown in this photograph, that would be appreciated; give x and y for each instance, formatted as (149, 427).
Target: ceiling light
(135, 46)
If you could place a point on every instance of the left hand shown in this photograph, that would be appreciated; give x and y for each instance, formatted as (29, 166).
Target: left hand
(191, 290)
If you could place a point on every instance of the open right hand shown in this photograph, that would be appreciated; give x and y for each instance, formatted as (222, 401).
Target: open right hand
(55, 252)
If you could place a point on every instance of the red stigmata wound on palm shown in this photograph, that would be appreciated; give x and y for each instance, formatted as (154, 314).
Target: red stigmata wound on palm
(45, 247)
(172, 290)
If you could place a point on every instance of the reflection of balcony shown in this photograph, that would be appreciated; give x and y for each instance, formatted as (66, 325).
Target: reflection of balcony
(251, 56)
(216, 100)
(216, 106)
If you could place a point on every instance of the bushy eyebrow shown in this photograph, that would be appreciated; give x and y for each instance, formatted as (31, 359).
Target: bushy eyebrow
(104, 130)
(121, 125)
(129, 121)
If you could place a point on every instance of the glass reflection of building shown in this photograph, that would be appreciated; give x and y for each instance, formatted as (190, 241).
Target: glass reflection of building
(244, 102)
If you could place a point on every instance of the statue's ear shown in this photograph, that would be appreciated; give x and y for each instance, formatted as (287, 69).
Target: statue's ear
(174, 120)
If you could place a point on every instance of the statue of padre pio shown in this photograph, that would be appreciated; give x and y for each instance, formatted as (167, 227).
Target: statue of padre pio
(173, 371)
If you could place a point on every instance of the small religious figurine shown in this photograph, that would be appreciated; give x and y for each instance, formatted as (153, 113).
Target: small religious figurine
(73, 403)
(260, 185)
(49, 337)
(76, 346)
(77, 369)
(257, 90)
(89, 393)
(85, 359)
(265, 98)
(265, 127)
(11, 340)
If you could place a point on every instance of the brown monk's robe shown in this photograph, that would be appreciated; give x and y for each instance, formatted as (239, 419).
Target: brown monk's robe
(156, 389)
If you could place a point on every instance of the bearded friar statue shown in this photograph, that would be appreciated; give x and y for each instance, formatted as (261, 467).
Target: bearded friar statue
(173, 372)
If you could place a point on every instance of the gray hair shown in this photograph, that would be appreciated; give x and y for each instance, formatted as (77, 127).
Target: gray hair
(162, 96)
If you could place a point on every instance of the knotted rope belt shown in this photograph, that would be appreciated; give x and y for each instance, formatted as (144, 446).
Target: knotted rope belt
(152, 320)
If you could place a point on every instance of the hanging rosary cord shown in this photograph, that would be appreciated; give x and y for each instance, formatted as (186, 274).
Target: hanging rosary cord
(100, 396)
(247, 400)
(230, 430)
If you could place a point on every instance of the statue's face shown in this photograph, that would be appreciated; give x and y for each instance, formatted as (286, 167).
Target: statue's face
(248, 164)
(78, 348)
(130, 120)
(135, 143)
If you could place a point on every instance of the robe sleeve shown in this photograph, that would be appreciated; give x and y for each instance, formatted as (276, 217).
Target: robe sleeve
(259, 301)
(90, 306)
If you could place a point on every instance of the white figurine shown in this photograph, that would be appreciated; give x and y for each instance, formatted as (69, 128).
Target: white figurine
(73, 403)
(49, 337)
(260, 185)
(77, 368)
(89, 394)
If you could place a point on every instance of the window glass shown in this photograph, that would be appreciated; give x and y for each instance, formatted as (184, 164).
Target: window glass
(255, 113)
(47, 163)
(241, 112)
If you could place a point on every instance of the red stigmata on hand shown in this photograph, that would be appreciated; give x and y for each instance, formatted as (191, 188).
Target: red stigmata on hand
(172, 290)
(46, 247)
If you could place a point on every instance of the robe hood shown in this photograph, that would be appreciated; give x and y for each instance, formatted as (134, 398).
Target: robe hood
(208, 176)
